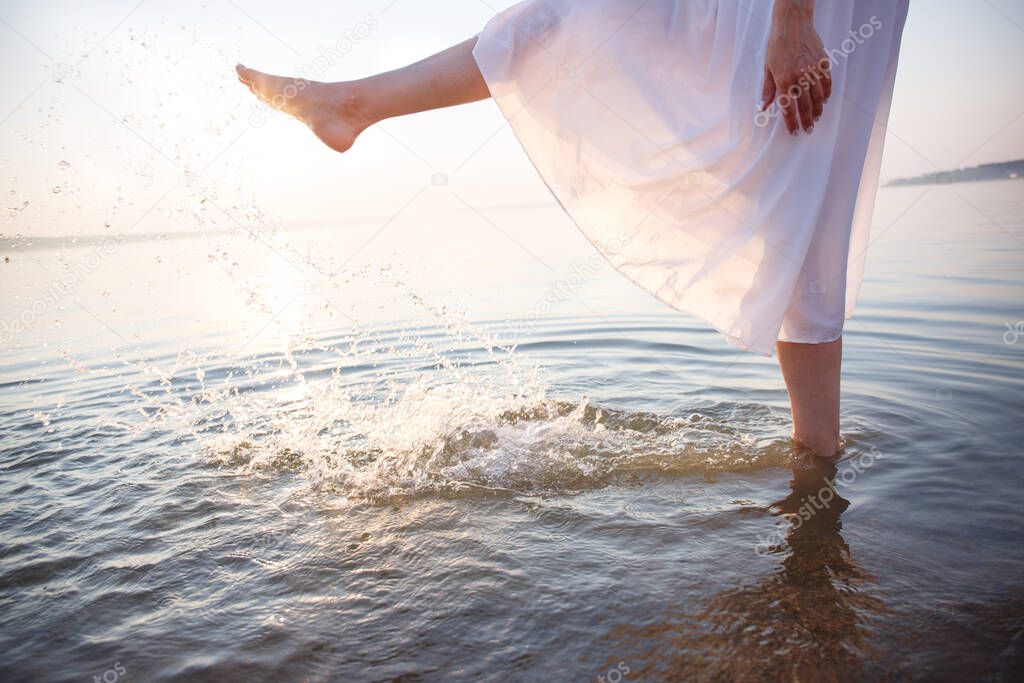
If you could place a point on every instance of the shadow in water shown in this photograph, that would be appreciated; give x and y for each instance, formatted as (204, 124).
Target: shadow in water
(805, 621)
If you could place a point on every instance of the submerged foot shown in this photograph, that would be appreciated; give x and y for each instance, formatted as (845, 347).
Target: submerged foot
(333, 111)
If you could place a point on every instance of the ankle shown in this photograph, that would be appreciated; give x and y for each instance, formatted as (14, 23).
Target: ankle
(356, 102)
(824, 445)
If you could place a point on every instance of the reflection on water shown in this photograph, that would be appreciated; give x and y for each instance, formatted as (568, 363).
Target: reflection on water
(806, 620)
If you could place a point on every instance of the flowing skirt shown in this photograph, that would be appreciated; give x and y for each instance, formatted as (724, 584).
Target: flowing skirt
(642, 118)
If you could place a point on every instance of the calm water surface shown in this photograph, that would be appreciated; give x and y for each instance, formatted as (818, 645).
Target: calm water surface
(265, 456)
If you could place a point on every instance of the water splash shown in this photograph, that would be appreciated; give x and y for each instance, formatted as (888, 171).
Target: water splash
(469, 432)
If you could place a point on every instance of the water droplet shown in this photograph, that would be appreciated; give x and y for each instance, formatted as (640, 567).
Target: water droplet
(65, 165)
(13, 211)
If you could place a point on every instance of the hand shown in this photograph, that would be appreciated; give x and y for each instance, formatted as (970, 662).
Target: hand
(797, 68)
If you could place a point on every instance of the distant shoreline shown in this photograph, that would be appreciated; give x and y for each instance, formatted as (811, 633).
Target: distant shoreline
(1006, 170)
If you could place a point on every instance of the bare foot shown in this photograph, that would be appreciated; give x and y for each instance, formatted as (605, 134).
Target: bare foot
(335, 112)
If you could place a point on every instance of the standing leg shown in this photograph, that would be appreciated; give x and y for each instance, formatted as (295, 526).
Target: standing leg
(339, 112)
(811, 372)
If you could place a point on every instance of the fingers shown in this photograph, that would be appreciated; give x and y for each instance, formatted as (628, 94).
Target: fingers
(806, 108)
(800, 99)
(817, 99)
(825, 69)
(788, 106)
(768, 91)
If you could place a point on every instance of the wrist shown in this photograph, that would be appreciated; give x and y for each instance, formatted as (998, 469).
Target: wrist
(792, 13)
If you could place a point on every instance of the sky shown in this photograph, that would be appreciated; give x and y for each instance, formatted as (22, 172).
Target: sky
(127, 116)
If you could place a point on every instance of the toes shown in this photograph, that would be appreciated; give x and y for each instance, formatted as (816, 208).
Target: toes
(259, 83)
(245, 75)
(245, 78)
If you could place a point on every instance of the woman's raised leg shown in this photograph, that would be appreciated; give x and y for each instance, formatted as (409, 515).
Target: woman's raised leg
(339, 112)
(811, 372)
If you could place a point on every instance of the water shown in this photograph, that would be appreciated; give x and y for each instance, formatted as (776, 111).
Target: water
(460, 454)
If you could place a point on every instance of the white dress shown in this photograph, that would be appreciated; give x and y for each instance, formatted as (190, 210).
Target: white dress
(641, 116)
